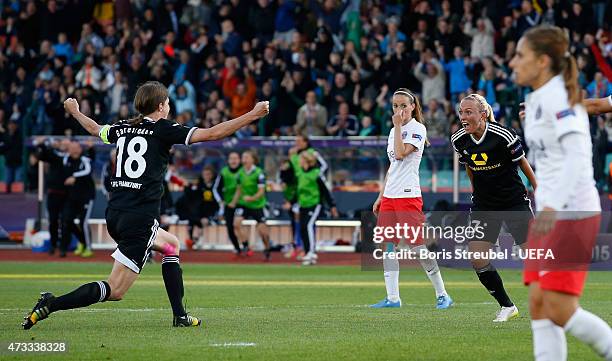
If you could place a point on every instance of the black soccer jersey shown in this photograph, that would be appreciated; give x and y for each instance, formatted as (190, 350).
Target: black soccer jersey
(143, 152)
(493, 161)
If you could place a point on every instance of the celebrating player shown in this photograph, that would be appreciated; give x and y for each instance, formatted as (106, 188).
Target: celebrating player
(568, 204)
(251, 200)
(143, 149)
(492, 154)
(312, 192)
(400, 197)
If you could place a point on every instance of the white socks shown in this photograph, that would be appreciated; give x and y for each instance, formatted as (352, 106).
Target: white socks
(549, 343)
(591, 330)
(391, 272)
(430, 266)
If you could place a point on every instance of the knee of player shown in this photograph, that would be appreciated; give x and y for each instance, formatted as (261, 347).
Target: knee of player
(480, 265)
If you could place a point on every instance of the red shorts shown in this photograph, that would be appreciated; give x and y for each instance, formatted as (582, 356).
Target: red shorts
(402, 212)
(571, 242)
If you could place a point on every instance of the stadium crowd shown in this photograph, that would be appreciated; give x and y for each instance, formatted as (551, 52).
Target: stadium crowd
(328, 67)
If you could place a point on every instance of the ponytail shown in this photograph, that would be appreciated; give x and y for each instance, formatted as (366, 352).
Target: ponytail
(553, 42)
(137, 120)
(570, 76)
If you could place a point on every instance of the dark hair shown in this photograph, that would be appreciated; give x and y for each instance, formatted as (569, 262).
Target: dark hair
(553, 42)
(305, 138)
(418, 110)
(253, 155)
(210, 168)
(147, 99)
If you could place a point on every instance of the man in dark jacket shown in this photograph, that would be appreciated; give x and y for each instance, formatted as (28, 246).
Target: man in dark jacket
(54, 154)
(80, 189)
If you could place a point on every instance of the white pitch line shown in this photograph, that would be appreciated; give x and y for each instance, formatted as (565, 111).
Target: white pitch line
(102, 310)
(233, 344)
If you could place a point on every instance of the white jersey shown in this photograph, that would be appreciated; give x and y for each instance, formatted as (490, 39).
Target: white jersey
(403, 174)
(549, 117)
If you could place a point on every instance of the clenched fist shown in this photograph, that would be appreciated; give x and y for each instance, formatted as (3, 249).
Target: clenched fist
(71, 105)
(261, 109)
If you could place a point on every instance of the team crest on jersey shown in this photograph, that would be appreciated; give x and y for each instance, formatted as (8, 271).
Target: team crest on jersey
(404, 134)
(483, 156)
(538, 114)
(565, 113)
(417, 136)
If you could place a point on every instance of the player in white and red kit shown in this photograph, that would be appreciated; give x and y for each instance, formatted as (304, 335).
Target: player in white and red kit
(400, 199)
(557, 131)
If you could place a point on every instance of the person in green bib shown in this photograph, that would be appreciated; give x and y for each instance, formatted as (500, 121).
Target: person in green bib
(224, 189)
(312, 193)
(250, 199)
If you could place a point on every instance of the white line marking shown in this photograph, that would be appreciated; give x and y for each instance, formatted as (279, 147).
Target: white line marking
(233, 344)
(102, 310)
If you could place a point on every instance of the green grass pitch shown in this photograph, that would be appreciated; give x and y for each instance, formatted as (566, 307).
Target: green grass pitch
(270, 312)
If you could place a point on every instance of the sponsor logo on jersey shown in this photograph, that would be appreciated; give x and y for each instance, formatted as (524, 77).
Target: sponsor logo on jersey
(565, 113)
(407, 190)
(404, 134)
(417, 136)
(483, 156)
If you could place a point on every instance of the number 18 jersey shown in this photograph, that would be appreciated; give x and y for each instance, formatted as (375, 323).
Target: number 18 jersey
(143, 152)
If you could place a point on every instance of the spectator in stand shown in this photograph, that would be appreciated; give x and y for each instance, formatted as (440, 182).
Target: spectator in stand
(600, 87)
(11, 145)
(393, 36)
(312, 117)
(436, 119)
(431, 74)
(183, 96)
(343, 124)
(242, 97)
(345, 51)
(367, 127)
(482, 37)
(457, 70)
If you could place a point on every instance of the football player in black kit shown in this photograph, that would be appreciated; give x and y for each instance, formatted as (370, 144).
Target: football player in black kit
(143, 149)
(492, 155)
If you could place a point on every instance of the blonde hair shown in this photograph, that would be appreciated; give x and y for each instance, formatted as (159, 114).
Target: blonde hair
(310, 159)
(483, 106)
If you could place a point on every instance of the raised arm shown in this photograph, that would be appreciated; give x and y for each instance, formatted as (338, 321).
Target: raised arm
(225, 129)
(72, 107)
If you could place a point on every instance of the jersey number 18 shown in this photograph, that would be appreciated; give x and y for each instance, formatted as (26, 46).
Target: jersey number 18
(133, 156)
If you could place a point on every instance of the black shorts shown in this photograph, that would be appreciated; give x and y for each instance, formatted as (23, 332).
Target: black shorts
(134, 234)
(516, 218)
(251, 213)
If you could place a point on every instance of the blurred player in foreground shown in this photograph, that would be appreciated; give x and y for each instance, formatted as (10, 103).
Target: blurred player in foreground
(568, 204)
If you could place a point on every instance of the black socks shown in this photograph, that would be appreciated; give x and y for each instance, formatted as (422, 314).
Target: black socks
(173, 280)
(86, 295)
(489, 278)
